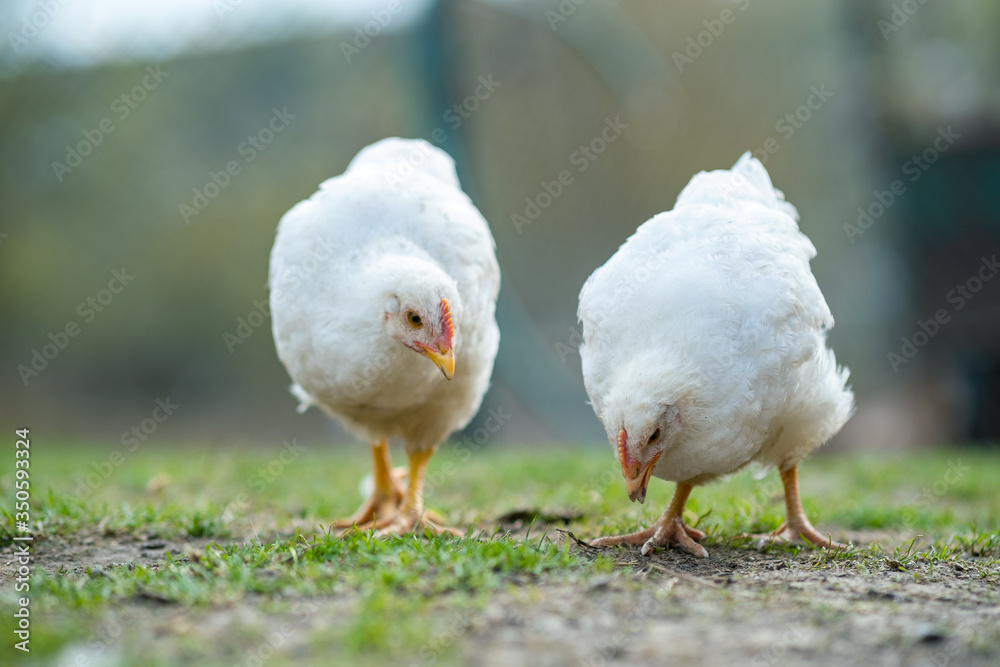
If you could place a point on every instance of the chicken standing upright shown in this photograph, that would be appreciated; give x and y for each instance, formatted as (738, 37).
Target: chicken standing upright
(383, 292)
(704, 349)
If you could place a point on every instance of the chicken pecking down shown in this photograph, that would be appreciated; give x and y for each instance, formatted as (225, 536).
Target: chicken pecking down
(704, 349)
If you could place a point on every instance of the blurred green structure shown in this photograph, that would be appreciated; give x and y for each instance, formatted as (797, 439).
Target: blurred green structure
(125, 162)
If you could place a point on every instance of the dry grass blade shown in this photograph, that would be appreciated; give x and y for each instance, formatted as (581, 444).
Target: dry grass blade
(684, 576)
(578, 541)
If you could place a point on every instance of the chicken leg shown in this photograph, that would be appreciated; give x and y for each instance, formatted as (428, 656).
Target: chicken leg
(796, 526)
(383, 505)
(669, 529)
(411, 517)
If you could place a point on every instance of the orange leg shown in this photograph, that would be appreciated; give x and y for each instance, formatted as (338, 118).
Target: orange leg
(796, 524)
(411, 516)
(383, 505)
(669, 529)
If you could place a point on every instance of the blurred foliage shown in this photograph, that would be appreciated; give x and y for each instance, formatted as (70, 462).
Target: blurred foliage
(560, 83)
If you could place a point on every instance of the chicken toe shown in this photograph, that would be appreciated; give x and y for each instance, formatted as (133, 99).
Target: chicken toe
(383, 504)
(670, 529)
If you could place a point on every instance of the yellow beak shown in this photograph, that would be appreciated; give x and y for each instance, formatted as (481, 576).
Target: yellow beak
(445, 360)
(636, 486)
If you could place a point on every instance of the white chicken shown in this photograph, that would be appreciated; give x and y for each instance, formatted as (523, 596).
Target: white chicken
(383, 292)
(704, 349)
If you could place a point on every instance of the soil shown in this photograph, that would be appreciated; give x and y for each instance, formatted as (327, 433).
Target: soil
(735, 607)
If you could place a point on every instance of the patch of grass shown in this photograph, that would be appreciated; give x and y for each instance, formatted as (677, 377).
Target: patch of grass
(323, 564)
(255, 536)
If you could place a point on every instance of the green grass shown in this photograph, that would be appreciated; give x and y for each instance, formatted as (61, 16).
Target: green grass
(257, 540)
(395, 579)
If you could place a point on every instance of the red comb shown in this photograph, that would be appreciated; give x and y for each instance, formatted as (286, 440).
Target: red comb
(629, 465)
(447, 328)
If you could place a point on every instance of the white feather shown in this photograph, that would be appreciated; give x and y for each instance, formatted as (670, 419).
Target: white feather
(712, 308)
(395, 222)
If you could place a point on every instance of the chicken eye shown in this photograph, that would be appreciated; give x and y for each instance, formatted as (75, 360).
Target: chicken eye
(414, 320)
(653, 438)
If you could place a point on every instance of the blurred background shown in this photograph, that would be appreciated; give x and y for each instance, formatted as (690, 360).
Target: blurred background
(133, 265)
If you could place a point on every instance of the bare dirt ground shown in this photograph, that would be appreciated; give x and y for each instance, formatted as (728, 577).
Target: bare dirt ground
(737, 607)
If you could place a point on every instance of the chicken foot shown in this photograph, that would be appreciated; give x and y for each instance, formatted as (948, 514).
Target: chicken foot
(383, 504)
(411, 517)
(796, 525)
(670, 529)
